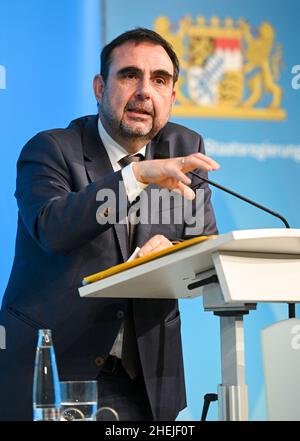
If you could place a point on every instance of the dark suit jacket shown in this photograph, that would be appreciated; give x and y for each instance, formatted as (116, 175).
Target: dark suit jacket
(59, 241)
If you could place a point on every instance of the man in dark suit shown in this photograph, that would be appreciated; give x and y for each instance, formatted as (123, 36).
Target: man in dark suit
(66, 232)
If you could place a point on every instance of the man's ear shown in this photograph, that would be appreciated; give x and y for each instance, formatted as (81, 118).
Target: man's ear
(98, 84)
(173, 97)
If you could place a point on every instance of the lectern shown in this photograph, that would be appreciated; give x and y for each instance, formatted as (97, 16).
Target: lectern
(233, 272)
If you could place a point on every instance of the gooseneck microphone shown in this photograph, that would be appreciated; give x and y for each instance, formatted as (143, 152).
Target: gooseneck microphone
(158, 155)
(291, 306)
(239, 196)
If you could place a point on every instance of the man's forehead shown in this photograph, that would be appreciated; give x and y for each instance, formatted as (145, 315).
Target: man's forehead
(135, 53)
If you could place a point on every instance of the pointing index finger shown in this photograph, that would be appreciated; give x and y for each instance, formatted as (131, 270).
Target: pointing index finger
(198, 160)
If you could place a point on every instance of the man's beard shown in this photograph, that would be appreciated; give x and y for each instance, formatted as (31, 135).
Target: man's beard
(125, 130)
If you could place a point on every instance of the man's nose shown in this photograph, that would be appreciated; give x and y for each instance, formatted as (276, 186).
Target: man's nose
(144, 88)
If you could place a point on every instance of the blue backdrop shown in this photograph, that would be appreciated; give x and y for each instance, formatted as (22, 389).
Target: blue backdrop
(49, 52)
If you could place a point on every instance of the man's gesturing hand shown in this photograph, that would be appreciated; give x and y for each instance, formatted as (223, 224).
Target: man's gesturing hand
(171, 173)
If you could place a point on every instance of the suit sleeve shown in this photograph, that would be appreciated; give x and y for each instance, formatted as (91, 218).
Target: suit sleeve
(57, 218)
(202, 218)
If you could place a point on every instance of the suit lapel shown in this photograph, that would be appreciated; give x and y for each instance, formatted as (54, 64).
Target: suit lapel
(97, 164)
(157, 149)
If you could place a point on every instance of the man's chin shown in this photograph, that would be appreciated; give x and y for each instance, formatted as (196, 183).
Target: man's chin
(136, 131)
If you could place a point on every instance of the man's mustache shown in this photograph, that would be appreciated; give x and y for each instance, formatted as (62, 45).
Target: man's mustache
(138, 107)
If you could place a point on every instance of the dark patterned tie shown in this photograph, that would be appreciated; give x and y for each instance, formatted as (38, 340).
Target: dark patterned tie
(130, 158)
(130, 357)
(123, 162)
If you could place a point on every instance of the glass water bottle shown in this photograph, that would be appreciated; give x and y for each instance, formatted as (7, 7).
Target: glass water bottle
(46, 391)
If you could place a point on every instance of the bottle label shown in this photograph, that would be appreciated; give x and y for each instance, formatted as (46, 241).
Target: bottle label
(41, 413)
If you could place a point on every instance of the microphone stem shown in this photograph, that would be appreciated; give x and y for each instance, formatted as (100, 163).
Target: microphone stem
(243, 198)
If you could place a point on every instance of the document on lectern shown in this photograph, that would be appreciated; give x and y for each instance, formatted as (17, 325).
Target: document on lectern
(140, 260)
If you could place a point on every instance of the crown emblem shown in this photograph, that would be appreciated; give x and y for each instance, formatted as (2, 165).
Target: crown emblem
(227, 69)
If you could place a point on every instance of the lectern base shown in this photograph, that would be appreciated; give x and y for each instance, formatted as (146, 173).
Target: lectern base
(233, 402)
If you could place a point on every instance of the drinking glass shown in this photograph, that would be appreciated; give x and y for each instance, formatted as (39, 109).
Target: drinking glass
(78, 400)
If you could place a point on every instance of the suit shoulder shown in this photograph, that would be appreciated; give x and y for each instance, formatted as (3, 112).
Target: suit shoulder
(184, 141)
(179, 130)
(63, 139)
(73, 130)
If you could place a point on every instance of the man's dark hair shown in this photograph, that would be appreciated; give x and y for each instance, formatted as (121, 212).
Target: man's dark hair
(137, 35)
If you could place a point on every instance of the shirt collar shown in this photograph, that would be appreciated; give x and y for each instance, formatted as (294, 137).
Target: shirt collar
(114, 150)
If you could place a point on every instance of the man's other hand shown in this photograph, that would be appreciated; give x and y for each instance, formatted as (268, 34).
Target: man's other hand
(156, 243)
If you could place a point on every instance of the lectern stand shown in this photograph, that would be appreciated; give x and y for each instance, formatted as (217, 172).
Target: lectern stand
(233, 272)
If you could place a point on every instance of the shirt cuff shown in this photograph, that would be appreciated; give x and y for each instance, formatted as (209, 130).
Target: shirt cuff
(132, 186)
